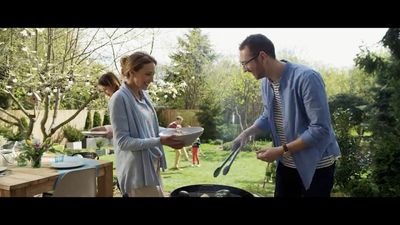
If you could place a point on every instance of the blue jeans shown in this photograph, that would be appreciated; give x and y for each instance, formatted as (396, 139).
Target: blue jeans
(288, 182)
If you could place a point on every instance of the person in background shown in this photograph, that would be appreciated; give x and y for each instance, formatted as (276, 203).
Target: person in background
(178, 152)
(138, 147)
(108, 84)
(296, 113)
(195, 152)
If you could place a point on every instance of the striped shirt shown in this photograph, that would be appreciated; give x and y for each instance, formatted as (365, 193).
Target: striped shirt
(278, 118)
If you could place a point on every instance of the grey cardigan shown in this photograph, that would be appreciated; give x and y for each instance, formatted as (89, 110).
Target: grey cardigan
(135, 148)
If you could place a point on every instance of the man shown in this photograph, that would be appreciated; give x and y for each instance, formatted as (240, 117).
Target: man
(178, 124)
(296, 113)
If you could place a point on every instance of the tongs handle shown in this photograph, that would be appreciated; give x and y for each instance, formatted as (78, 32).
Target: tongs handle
(226, 169)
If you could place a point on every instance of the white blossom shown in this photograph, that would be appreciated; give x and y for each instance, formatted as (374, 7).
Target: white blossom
(24, 33)
(14, 80)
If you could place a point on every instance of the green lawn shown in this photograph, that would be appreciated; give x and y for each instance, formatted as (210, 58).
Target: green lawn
(246, 172)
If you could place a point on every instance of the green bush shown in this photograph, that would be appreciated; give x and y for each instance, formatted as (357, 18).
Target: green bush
(228, 131)
(88, 122)
(96, 119)
(216, 142)
(363, 188)
(106, 119)
(249, 147)
(72, 134)
(8, 133)
(209, 118)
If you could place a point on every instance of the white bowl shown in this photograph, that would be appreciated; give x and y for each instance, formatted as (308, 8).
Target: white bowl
(186, 134)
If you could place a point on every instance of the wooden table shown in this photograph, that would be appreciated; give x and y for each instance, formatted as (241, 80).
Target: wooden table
(27, 181)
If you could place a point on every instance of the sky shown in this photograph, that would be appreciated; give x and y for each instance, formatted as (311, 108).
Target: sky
(333, 47)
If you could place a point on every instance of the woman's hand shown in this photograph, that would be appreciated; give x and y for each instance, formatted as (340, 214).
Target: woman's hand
(171, 141)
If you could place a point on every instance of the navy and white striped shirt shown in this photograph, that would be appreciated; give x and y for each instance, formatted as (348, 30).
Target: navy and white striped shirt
(278, 118)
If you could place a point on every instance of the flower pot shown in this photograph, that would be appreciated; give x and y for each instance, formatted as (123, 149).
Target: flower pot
(74, 145)
(36, 161)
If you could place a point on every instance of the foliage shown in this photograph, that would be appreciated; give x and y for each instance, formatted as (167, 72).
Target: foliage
(5, 101)
(72, 134)
(250, 147)
(348, 114)
(216, 142)
(244, 98)
(33, 150)
(2, 141)
(55, 68)
(88, 121)
(194, 53)
(228, 131)
(209, 118)
(106, 119)
(161, 92)
(96, 119)
(385, 124)
(100, 143)
(8, 133)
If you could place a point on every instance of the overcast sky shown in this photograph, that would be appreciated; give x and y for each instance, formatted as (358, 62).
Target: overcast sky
(334, 47)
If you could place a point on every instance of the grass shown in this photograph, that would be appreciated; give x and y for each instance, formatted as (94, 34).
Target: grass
(246, 172)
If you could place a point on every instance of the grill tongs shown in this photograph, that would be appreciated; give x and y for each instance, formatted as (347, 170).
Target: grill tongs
(235, 151)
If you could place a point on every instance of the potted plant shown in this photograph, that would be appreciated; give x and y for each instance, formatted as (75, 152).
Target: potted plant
(74, 137)
(100, 143)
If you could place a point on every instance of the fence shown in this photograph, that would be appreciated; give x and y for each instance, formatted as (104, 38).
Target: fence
(165, 117)
(62, 115)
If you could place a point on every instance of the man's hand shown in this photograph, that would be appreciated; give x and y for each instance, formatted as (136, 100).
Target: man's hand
(270, 154)
(240, 141)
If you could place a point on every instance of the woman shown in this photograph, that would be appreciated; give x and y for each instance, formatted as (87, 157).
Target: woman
(109, 84)
(138, 147)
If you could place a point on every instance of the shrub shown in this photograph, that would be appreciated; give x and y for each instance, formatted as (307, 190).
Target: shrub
(106, 119)
(216, 142)
(96, 119)
(251, 146)
(72, 134)
(88, 123)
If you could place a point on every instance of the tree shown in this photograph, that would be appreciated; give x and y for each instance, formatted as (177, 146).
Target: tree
(48, 69)
(188, 62)
(385, 124)
(210, 117)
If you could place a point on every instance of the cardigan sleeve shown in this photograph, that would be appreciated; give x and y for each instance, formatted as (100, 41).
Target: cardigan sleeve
(123, 139)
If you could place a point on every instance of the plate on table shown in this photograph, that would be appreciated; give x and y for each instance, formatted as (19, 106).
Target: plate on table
(67, 164)
(2, 169)
(94, 133)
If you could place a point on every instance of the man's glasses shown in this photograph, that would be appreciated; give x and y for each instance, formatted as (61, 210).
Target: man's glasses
(248, 61)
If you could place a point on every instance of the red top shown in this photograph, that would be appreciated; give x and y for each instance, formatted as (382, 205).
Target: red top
(174, 125)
